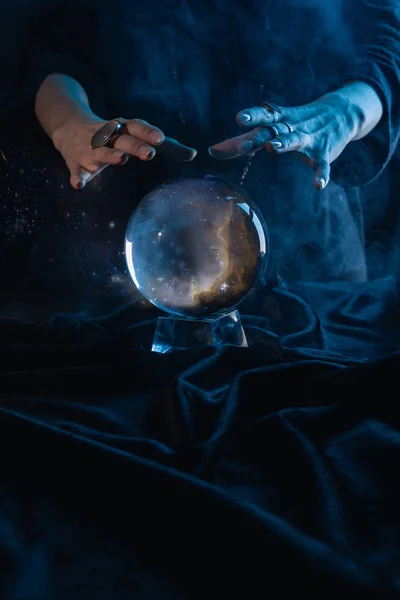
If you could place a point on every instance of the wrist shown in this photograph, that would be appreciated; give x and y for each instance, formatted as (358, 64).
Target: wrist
(363, 107)
(345, 104)
(62, 103)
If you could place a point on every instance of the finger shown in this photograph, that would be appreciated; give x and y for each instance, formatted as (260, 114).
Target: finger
(248, 142)
(84, 172)
(170, 148)
(231, 148)
(292, 142)
(322, 174)
(174, 150)
(134, 147)
(93, 175)
(259, 115)
(144, 131)
(79, 178)
(109, 156)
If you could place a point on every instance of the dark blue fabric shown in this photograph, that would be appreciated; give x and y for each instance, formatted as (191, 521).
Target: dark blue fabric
(297, 50)
(205, 474)
(189, 67)
(266, 470)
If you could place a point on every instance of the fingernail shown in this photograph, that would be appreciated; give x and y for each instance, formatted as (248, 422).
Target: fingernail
(244, 117)
(276, 144)
(147, 153)
(246, 146)
(321, 183)
(216, 153)
(193, 155)
(156, 137)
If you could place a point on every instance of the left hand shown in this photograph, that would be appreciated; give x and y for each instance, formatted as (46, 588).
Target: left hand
(321, 131)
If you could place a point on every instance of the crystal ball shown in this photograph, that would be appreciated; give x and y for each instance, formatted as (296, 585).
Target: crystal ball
(196, 247)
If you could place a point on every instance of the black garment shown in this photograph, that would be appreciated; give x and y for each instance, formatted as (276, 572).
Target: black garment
(205, 474)
(294, 50)
(188, 68)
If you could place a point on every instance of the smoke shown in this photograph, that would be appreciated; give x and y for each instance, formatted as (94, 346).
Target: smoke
(189, 66)
(295, 49)
(201, 62)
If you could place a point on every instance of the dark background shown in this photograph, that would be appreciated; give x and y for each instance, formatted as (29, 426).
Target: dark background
(268, 470)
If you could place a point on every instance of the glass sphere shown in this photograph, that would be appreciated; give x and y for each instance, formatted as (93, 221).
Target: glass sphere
(196, 247)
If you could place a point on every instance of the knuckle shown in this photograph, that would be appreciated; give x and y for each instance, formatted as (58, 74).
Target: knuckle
(266, 114)
(259, 138)
(139, 122)
(117, 155)
(131, 146)
(291, 114)
(85, 157)
(305, 140)
(90, 167)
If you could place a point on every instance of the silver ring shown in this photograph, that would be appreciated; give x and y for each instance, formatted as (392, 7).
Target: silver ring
(288, 126)
(274, 110)
(274, 131)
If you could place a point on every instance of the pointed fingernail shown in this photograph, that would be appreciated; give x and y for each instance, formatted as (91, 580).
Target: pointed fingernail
(216, 153)
(321, 183)
(244, 117)
(246, 146)
(276, 144)
(192, 155)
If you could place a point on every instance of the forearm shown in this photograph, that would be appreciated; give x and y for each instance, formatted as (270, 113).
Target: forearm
(60, 99)
(364, 107)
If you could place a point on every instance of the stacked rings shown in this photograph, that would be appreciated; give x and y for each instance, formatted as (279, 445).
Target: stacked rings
(276, 116)
(276, 131)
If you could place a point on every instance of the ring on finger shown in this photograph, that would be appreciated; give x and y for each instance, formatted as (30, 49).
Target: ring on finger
(273, 110)
(276, 130)
(288, 125)
(107, 135)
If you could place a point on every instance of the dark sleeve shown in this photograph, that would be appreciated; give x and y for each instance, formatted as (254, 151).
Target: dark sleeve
(375, 28)
(62, 37)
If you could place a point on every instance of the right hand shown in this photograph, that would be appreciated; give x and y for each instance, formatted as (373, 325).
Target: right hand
(73, 138)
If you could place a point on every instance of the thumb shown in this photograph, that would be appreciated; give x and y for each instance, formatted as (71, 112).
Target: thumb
(322, 174)
(79, 178)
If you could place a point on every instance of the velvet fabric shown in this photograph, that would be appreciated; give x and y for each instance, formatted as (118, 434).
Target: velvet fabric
(205, 473)
(189, 67)
(209, 473)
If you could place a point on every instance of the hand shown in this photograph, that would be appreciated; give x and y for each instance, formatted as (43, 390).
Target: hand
(141, 140)
(321, 131)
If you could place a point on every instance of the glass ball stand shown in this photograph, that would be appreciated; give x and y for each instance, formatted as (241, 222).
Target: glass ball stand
(195, 248)
(173, 333)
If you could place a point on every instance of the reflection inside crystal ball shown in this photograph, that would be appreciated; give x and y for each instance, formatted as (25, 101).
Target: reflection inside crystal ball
(196, 247)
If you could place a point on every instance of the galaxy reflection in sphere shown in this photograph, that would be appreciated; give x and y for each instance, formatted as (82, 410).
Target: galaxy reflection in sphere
(196, 247)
